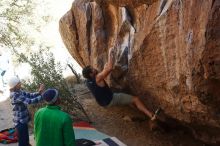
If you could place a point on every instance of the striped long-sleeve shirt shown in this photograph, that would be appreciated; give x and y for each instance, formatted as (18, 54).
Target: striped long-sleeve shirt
(19, 100)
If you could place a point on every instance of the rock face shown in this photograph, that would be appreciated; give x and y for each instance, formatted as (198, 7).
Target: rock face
(168, 50)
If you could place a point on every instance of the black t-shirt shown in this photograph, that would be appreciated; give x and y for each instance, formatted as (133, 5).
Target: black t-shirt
(103, 95)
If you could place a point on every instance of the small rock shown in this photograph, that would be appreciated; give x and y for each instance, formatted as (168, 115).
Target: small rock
(127, 118)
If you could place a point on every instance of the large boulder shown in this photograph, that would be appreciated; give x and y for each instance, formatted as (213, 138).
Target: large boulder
(168, 50)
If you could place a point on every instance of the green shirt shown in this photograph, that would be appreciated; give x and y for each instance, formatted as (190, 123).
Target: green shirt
(53, 127)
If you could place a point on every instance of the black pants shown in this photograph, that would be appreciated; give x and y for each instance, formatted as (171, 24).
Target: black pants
(23, 136)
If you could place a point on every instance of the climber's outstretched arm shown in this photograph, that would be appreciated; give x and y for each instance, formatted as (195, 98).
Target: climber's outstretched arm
(107, 68)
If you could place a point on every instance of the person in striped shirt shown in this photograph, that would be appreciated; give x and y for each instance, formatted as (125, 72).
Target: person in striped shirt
(19, 100)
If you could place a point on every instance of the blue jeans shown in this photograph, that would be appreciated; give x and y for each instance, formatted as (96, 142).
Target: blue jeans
(23, 136)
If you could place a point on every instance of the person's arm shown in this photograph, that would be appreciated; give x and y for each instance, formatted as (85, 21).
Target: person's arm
(28, 98)
(68, 133)
(35, 94)
(107, 68)
(41, 88)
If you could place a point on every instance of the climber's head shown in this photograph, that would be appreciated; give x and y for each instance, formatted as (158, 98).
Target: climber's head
(89, 72)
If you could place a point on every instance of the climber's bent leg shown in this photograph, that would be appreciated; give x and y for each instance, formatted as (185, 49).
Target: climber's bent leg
(121, 99)
(126, 99)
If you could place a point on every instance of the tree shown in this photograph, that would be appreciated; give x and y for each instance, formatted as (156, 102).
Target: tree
(46, 70)
(18, 19)
(14, 14)
(74, 72)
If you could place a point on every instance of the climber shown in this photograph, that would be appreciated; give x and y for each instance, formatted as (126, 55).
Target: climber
(103, 94)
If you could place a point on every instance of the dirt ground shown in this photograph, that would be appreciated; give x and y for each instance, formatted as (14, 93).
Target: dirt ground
(116, 122)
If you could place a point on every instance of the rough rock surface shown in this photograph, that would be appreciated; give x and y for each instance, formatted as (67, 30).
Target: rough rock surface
(168, 50)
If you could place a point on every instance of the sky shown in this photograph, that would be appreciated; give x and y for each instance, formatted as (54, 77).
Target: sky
(57, 8)
(50, 34)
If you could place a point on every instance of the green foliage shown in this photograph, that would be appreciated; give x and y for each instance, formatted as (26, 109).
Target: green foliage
(44, 69)
(19, 20)
(13, 14)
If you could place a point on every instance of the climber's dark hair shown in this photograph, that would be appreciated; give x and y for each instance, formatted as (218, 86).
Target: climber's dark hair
(86, 72)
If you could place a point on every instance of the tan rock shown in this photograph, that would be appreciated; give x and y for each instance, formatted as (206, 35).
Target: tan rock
(168, 50)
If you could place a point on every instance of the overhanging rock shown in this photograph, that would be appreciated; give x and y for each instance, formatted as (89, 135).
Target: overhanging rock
(168, 49)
